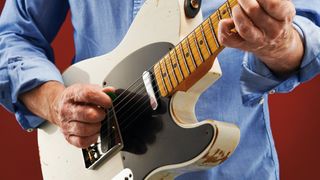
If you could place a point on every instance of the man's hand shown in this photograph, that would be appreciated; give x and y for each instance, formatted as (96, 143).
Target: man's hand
(264, 27)
(78, 110)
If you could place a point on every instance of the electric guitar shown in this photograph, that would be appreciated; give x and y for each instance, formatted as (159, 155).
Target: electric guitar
(160, 69)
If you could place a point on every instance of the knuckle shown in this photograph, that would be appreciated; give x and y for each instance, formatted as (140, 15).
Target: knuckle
(252, 9)
(64, 127)
(272, 5)
(223, 39)
(64, 110)
(89, 93)
(236, 10)
(243, 29)
(92, 114)
(260, 42)
(80, 129)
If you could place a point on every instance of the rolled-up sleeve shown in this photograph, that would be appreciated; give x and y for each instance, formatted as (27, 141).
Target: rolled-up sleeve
(257, 79)
(26, 59)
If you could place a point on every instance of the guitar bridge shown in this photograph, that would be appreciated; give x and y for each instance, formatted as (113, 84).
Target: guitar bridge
(108, 144)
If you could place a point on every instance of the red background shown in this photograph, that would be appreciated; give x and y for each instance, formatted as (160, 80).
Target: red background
(295, 118)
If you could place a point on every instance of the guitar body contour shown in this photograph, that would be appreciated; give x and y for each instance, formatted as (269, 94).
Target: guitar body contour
(160, 144)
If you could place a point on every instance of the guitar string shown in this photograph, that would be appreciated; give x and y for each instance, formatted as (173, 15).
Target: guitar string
(139, 85)
(133, 113)
(227, 4)
(154, 79)
(214, 19)
(128, 118)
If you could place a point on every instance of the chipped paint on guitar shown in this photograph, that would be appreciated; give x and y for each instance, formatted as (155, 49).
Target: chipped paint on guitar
(209, 142)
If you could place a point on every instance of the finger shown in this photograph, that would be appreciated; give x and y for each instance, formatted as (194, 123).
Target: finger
(266, 23)
(226, 36)
(82, 142)
(109, 89)
(229, 38)
(83, 113)
(282, 10)
(245, 27)
(80, 129)
(90, 94)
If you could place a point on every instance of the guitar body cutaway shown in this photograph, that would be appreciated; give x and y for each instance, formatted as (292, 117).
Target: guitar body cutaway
(160, 143)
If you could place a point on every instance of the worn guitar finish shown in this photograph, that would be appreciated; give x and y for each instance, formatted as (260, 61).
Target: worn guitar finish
(161, 142)
(152, 139)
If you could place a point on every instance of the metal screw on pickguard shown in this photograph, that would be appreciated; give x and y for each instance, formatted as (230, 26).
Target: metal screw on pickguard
(194, 4)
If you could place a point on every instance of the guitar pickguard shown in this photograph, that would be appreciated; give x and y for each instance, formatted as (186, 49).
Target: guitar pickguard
(151, 138)
(157, 27)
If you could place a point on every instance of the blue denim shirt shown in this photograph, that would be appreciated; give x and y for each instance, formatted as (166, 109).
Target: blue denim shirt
(26, 60)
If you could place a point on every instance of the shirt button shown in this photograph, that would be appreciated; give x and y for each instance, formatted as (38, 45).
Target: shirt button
(29, 130)
(261, 101)
(272, 91)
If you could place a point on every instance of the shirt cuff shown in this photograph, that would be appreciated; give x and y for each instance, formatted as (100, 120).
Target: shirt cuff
(257, 79)
(24, 75)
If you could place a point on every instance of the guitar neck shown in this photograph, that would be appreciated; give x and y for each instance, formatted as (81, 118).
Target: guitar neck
(192, 58)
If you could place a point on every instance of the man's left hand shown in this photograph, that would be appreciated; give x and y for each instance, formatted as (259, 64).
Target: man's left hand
(264, 27)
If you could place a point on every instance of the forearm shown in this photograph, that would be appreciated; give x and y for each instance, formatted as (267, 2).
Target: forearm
(40, 99)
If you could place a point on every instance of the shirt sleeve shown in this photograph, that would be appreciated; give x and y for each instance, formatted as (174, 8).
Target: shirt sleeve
(257, 79)
(26, 59)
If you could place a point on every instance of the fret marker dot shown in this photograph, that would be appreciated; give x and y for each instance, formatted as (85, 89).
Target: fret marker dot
(224, 12)
(187, 54)
(164, 74)
(174, 65)
(201, 42)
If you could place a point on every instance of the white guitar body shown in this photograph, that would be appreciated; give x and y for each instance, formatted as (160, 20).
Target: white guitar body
(61, 161)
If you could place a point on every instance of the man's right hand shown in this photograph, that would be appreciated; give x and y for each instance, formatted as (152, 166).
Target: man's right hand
(78, 110)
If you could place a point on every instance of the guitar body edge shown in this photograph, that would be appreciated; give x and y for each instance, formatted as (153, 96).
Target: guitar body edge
(222, 145)
(60, 160)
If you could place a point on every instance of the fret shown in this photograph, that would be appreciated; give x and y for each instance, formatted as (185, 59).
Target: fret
(219, 14)
(202, 43)
(175, 65)
(182, 61)
(223, 11)
(232, 3)
(165, 75)
(191, 55)
(204, 39)
(215, 23)
(194, 49)
(171, 72)
(213, 33)
(159, 79)
(197, 46)
(188, 55)
(229, 8)
(213, 46)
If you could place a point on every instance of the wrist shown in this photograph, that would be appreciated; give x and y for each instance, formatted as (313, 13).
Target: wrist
(53, 97)
(286, 58)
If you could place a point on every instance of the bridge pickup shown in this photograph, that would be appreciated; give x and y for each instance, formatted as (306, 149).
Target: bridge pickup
(109, 143)
(148, 83)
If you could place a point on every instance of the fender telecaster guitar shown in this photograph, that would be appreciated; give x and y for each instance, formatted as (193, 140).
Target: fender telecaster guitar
(160, 68)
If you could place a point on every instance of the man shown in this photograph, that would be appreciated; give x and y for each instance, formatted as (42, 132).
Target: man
(278, 50)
